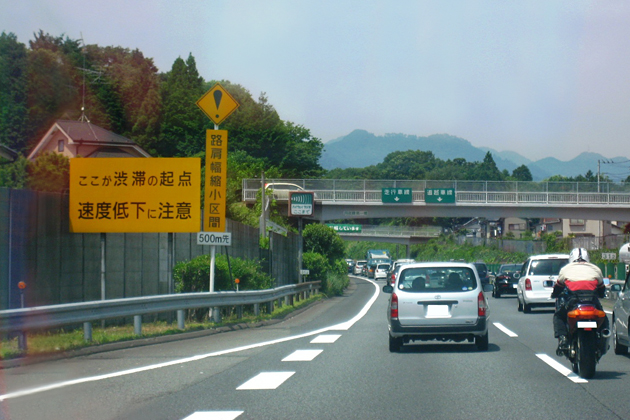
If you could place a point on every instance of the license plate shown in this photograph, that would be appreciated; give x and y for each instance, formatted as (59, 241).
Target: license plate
(587, 324)
(548, 283)
(437, 311)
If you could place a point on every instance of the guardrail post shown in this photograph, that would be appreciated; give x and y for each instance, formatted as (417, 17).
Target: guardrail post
(87, 331)
(216, 314)
(256, 309)
(22, 344)
(180, 319)
(270, 307)
(239, 311)
(137, 324)
(287, 301)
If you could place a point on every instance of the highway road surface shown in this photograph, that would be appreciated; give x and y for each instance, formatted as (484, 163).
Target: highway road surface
(328, 362)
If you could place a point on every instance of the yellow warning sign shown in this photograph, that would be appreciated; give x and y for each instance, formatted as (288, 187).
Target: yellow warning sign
(135, 194)
(217, 104)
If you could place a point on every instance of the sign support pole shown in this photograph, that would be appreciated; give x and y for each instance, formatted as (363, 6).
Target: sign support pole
(300, 245)
(216, 315)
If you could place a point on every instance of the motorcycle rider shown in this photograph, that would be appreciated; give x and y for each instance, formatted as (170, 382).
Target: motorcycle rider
(578, 275)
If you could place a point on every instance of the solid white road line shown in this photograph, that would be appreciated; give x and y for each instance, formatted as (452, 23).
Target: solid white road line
(325, 339)
(343, 326)
(266, 380)
(214, 415)
(505, 330)
(302, 356)
(562, 369)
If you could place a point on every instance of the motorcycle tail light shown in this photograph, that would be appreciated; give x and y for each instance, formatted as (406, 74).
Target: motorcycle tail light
(586, 312)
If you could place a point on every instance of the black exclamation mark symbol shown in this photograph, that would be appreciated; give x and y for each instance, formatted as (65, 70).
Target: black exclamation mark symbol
(217, 99)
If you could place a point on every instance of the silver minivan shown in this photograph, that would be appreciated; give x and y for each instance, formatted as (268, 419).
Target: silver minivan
(535, 284)
(437, 301)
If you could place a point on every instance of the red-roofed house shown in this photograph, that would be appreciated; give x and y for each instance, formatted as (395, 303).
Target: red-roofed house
(80, 138)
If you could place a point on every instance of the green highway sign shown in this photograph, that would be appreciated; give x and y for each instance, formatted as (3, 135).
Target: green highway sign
(301, 203)
(345, 228)
(439, 195)
(396, 195)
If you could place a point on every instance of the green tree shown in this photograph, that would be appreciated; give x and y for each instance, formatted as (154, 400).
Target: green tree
(522, 173)
(52, 88)
(13, 88)
(182, 131)
(325, 241)
(412, 164)
(14, 174)
(49, 172)
(487, 170)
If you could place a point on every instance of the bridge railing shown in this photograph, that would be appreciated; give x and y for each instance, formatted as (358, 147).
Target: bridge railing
(470, 192)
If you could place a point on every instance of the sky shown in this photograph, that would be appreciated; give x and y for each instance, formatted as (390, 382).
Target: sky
(541, 78)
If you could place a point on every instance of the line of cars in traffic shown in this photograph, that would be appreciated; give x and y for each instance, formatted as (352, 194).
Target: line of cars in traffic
(445, 301)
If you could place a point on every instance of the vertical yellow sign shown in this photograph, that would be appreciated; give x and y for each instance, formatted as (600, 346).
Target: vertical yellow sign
(216, 180)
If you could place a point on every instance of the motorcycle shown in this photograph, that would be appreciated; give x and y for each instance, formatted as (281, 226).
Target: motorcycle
(588, 339)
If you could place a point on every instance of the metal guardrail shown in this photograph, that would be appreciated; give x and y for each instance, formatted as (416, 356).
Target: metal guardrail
(45, 317)
(470, 192)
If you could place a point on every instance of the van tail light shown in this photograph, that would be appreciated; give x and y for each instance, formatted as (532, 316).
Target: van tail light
(528, 284)
(393, 307)
(482, 306)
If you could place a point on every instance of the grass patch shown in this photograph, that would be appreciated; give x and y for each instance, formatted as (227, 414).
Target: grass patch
(63, 340)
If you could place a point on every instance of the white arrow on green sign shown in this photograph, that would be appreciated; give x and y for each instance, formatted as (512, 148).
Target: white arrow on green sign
(439, 195)
(396, 195)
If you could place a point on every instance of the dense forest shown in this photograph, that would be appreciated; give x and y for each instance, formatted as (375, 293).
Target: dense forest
(56, 77)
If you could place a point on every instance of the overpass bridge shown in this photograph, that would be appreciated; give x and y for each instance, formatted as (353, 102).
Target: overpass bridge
(406, 235)
(340, 199)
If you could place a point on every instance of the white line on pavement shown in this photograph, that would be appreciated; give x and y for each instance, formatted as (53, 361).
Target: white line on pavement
(325, 339)
(562, 369)
(343, 326)
(266, 380)
(505, 330)
(302, 356)
(214, 415)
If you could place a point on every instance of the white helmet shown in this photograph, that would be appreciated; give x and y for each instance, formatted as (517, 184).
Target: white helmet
(578, 255)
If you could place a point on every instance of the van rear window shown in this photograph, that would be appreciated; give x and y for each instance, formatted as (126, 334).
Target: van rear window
(437, 279)
(547, 267)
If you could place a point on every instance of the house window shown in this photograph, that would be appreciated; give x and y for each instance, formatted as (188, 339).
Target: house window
(576, 222)
(60, 146)
(516, 226)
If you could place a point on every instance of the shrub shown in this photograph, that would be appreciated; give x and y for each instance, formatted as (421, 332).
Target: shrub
(335, 283)
(194, 275)
(316, 264)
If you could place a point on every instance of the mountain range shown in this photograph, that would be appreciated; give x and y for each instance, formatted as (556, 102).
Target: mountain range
(361, 148)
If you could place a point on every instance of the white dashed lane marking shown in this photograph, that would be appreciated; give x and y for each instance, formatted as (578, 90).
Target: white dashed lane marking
(325, 339)
(505, 330)
(214, 415)
(302, 356)
(266, 380)
(562, 369)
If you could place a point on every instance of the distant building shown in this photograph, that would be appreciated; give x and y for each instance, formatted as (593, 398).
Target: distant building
(80, 138)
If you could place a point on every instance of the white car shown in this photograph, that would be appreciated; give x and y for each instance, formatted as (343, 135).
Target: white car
(280, 190)
(381, 271)
(535, 284)
(441, 301)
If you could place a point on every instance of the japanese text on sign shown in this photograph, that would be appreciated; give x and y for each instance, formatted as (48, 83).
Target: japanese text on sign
(135, 194)
(396, 195)
(439, 195)
(216, 179)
